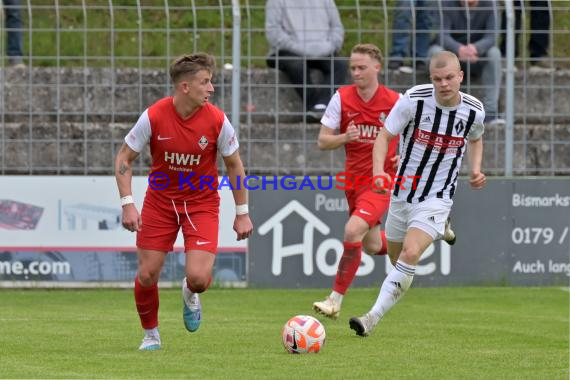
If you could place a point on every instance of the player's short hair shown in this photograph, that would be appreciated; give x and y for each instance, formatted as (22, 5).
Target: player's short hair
(371, 50)
(190, 64)
(443, 58)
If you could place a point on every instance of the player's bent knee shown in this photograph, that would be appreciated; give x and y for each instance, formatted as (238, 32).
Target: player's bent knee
(353, 233)
(410, 254)
(198, 284)
(349, 234)
(147, 277)
(198, 287)
(371, 248)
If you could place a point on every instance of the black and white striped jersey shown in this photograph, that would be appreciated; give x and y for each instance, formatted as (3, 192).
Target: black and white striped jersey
(432, 142)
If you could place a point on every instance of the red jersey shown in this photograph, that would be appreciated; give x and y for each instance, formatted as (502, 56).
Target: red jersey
(184, 151)
(369, 119)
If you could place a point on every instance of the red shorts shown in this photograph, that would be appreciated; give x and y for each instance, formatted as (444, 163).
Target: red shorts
(161, 221)
(368, 205)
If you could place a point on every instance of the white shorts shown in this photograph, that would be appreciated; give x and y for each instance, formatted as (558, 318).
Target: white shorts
(428, 216)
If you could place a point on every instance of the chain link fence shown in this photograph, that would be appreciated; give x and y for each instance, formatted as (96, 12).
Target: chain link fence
(91, 67)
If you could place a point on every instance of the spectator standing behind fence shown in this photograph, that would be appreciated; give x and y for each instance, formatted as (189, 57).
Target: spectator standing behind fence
(13, 32)
(469, 29)
(405, 45)
(306, 35)
(539, 36)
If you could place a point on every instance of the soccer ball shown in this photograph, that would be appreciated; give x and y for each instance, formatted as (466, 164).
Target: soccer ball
(303, 334)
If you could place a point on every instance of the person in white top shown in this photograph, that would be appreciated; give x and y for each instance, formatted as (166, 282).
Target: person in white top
(436, 124)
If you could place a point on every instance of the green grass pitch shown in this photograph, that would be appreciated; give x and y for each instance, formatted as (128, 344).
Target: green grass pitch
(438, 333)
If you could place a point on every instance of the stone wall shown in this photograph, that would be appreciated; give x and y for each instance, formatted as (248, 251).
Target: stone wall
(71, 121)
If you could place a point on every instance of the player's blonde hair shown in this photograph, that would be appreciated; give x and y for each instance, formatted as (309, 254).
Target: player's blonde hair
(190, 64)
(371, 50)
(443, 58)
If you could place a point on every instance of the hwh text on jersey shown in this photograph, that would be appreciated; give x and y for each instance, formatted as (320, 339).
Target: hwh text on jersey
(182, 159)
(368, 131)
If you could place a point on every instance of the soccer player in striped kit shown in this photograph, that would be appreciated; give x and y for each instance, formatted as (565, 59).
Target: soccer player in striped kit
(436, 123)
(185, 132)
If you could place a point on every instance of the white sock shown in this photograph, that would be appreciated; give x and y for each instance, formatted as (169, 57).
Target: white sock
(153, 332)
(337, 297)
(395, 285)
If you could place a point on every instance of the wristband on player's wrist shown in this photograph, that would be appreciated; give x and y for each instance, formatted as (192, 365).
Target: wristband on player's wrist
(242, 209)
(127, 200)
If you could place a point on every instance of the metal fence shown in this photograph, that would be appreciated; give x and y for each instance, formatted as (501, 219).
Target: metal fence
(91, 67)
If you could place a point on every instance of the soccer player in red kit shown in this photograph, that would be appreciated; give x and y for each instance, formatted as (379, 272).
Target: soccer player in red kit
(353, 118)
(184, 132)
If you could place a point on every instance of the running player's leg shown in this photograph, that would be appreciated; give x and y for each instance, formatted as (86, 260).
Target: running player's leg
(354, 231)
(449, 235)
(155, 239)
(199, 265)
(146, 295)
(394, 249)
(200, 230)
(425, 223)
(374, 242)
(397, 282)
(366, 212)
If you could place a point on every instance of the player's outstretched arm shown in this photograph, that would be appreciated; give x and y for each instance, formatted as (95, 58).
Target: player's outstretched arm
(123, 174)
(328, 139)
(477, 179)
(381, 185)
(242, 223)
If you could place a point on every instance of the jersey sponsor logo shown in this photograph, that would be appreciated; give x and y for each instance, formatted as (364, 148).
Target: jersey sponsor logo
(198, 242)
(203, 142)
(432, 219)
(160, 138)
(364, 212)
(182, 159)
(352, 114)
(368, 132)
(426, 119)
(438, 142)
(459, 127)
